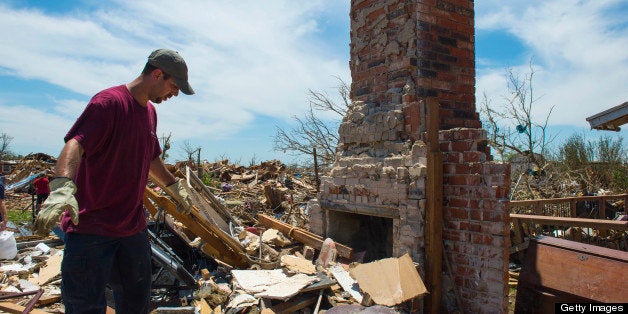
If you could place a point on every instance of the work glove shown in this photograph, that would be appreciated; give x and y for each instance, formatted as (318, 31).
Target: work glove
(61, 198)
(180, 194)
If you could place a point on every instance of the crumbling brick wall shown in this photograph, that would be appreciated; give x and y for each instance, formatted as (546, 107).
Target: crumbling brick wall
(476, 230)
(401, 53)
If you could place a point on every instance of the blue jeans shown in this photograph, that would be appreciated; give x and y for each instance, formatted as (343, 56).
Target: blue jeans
(90, 262)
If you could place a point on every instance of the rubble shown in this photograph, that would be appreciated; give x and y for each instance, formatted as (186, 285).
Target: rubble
(245, 247)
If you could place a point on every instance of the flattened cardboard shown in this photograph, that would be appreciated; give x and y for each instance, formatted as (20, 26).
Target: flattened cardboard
(272, 284)
(389, 281)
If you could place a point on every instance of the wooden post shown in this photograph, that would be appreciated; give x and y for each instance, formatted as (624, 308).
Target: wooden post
(318, 180)
(198, 164)
(602, 214)
(518, 238)
(434, 210)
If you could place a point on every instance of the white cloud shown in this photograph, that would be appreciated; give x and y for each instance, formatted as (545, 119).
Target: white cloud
(245, 58)
(577, 47)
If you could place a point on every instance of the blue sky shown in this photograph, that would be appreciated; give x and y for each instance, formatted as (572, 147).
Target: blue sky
(252, 63)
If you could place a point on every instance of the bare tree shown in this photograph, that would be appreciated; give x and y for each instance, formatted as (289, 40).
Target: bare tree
(312, 132)
(190, 150)
(512, 129)
(5, 143)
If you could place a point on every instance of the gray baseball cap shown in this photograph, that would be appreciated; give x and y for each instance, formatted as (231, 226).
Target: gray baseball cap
(173, 64)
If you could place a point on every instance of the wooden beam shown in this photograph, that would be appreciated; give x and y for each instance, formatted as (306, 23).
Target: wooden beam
(18, 309)
(294, 304)
(302, 235)
(601, 224)
(434, 210)
(569, 199)
(517, 239)
(222, 246)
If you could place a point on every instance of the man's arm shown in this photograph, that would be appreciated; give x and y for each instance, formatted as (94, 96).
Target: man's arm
(3, 212)
(160, 173)
(69, 159)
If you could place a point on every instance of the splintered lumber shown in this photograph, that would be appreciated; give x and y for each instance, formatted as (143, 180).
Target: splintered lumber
(218, 244)
(216, 209)
(48, 299)
(301, 235)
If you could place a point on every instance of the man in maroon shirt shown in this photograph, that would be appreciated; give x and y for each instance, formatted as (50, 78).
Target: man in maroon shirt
(101, 175)
(42, 190)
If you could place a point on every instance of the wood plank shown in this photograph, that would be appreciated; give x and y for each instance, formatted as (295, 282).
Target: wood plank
(18, 309)
(601, 224)
(48, 299)
(295, 304)
(618, 255)
(218, 210)
(302, 235)
(569, 199)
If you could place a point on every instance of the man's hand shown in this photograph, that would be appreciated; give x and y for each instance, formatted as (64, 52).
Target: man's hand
(180, 194)
(61, 198)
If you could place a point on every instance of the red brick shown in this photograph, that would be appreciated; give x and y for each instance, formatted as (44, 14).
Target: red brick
(454, 180)
(456, 225)
(461, 146)
(459, 213)
(464, 225)
(456, 236)
(458, 202)
(473, 157)
(475, 204)
(474, 180)
(476, 167)
(463, 168)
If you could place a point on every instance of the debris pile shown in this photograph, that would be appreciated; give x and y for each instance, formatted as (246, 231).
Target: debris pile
(244, 248)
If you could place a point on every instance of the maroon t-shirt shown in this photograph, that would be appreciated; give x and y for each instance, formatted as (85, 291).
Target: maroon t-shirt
(119, 140)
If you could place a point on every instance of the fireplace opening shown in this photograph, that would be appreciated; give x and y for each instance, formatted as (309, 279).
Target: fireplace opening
(370, 237)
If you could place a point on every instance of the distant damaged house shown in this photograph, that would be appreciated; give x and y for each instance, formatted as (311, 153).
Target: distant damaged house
(6, 166)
